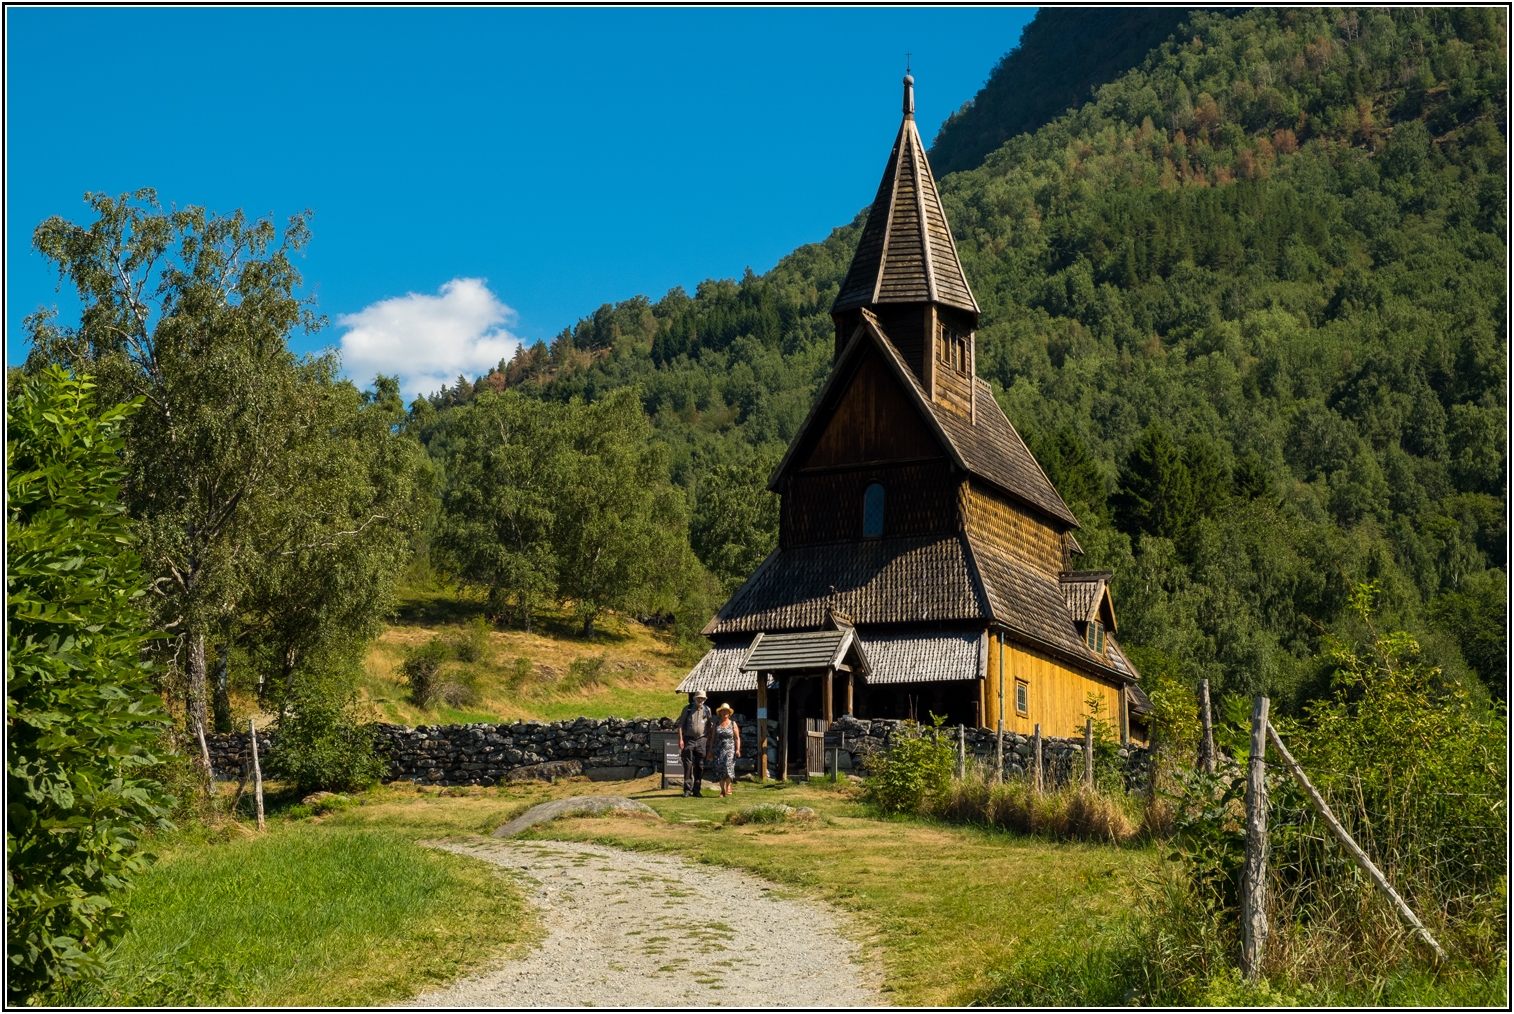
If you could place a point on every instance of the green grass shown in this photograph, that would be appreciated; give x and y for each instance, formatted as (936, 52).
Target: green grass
(307, 914)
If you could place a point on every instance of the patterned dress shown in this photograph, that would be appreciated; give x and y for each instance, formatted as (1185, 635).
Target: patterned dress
(722, 763)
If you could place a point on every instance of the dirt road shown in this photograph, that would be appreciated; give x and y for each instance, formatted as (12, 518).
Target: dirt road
(627, 929)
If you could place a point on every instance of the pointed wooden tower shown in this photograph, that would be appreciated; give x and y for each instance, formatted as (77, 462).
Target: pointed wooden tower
(916, 528)
(906, 271)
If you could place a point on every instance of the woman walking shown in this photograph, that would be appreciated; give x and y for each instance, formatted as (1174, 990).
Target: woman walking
(725, 747)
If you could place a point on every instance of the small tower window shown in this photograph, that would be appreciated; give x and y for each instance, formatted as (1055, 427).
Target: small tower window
(872, 511)
(951, 349)
(1096, 636)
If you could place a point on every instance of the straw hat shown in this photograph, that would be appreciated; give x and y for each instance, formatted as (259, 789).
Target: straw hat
(725, 709)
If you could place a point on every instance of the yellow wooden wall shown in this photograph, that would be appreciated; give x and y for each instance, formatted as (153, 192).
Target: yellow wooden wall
(1058, 695)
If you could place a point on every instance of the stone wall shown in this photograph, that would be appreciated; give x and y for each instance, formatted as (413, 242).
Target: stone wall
(609, 749)
(485, 753)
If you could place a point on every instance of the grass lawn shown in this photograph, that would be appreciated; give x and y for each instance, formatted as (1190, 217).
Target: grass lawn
(937, 906)
(308, 914)
(636, 680)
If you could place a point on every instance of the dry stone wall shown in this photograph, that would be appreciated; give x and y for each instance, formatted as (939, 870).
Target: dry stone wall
(607, 749)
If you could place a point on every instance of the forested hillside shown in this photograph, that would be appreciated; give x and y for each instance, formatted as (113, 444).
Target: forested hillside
(1247, 305)
(1063, 54)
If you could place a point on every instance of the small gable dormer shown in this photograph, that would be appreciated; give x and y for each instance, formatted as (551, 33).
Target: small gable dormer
(907, 274)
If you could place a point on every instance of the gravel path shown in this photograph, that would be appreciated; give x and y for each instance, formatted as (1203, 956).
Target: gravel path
(626, 929)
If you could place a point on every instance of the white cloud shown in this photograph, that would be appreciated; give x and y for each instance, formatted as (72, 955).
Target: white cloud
(428, 340)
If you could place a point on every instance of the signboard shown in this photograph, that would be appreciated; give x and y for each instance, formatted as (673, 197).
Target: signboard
(666, 745)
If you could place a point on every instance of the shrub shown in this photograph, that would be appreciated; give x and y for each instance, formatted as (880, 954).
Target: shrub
(320, 746)
(81, 720)
(423, 666)
(585, 672)
(519, 672)
(472, 643)
(915, 770)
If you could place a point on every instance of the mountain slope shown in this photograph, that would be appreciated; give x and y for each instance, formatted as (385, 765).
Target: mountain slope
(1260, 276)
(1064, 53)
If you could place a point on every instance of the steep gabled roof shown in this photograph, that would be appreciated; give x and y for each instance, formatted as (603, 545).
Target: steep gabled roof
(1087, 591)
(906, 253)
(989, 449)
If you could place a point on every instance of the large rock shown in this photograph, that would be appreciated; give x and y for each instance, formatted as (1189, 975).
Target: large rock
(573, 805)
(546, 771)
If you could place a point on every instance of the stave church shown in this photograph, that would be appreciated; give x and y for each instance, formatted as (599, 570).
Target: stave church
(925, 563)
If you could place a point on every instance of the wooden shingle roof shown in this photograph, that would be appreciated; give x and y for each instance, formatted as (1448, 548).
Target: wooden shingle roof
(812, 649)
(920, 579)
(906, 253)
(919, 656)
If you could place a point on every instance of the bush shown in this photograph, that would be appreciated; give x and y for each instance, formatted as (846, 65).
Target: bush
(1417, 776)
(519, 672)
(585, 672)
(916, 769)
(320, 746)
(81, 719)
(472, 643)
(423, 666)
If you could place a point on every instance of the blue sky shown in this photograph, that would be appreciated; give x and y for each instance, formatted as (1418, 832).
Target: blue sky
(478, 175)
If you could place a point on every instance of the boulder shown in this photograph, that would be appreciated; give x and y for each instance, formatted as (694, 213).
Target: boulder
(572, 806)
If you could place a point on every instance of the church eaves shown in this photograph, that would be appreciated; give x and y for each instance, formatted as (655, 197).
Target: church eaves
(906, 254)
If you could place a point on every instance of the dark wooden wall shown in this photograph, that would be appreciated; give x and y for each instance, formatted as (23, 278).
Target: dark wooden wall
(919, 499)
(873, 420)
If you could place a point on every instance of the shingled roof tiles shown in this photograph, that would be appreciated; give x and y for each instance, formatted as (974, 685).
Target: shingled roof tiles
(720, 670)
(813, 649)
(909, 580)
(992, 448)
(916, 657)
(1030, 602)
(906, 253)
(925, 658)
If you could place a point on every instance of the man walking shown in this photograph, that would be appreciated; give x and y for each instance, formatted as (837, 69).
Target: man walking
(693, 736)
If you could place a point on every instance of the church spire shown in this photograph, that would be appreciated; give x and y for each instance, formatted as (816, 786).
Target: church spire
(906, 254)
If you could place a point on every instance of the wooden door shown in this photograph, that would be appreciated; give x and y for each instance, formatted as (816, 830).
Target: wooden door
(814, 753)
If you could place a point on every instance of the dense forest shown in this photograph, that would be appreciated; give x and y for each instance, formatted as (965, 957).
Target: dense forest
(1246, 304)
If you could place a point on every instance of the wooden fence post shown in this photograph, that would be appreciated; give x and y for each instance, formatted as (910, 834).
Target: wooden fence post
(257, 773)
(210, 774)
(1369, 867)
(961, 751)
(1040, 778)
(1206, 717)
(1088, 753)
(1254, 874)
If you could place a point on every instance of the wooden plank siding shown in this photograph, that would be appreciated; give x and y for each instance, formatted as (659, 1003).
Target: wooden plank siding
(1057, 694)
(1012, 530)
(919, 499)
(874, 420)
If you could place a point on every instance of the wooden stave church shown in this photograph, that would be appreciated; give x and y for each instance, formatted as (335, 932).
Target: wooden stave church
(924, 560)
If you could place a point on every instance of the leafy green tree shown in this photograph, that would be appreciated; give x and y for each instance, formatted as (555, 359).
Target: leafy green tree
(735, 522)
(189, 311)
(1156, 491)
(506, 465)
(619, 517)
(82, 722)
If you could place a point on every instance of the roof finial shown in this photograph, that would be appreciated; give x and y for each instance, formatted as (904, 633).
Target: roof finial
(909, 90)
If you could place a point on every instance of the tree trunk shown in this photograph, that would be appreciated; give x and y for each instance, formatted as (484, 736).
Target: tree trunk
(195, 691)
(1206, 718)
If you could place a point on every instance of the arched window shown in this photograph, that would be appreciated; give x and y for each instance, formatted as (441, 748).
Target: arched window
(872, 511)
